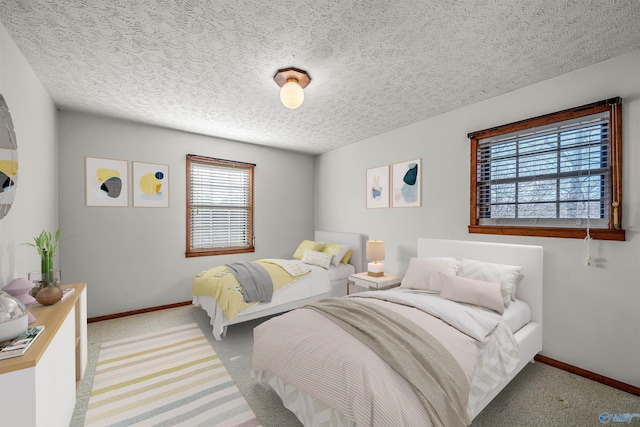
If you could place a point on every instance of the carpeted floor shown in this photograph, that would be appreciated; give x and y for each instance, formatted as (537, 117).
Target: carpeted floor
(539, 396)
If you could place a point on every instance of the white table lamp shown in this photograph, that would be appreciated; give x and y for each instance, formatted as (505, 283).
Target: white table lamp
(375, 253)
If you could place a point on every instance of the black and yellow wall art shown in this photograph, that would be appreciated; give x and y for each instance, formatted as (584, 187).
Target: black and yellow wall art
(150, 185)
(106, 182)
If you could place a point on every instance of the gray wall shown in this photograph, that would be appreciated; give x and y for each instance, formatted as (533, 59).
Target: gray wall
(591, 315)
(133, 258)
(35, 207)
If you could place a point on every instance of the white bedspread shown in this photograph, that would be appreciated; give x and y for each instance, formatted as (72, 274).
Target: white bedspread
(302, 350)
(292, 266)
(316, 282)
(499, 355)
(465, 318)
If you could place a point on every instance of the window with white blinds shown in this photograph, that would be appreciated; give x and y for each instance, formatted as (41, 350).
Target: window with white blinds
(559, 171)
(557, 175)
(219, 206)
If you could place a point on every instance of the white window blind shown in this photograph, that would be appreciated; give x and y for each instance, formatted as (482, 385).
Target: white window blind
(221, 211)
(553, 175)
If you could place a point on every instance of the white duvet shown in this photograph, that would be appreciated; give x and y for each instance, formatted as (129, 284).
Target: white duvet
(465, 318)
(499, 355)
(302, 350)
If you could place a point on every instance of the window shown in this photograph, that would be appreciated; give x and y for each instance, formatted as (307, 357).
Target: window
(219, 206)
(555, 175)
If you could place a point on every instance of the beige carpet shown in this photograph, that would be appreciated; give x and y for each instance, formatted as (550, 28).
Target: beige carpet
(539, 396)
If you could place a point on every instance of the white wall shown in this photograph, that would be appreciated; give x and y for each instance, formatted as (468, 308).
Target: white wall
(133, 258)
(591, 315)
(35, 207)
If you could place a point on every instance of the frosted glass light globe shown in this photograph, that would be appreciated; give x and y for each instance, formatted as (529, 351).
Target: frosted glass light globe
(291, 94)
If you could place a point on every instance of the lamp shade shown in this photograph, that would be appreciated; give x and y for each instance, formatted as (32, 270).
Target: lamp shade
(291, 94)
(375, 253)
(375, 250)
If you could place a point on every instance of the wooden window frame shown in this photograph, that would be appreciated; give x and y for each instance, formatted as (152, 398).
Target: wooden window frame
(612, 232)
(191, 252)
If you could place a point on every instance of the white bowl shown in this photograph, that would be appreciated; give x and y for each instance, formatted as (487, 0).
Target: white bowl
(14, 317)
(13, 328)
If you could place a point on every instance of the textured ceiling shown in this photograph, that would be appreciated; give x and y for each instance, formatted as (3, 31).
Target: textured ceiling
(207, 66)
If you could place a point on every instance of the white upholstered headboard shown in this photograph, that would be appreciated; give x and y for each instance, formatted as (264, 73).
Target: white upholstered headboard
(354, 240)
(526, 256)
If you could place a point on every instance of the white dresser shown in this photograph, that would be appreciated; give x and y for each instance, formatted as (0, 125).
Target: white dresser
(39, 388)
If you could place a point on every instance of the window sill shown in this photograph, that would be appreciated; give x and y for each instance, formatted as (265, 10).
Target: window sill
(568, 233)
(213, 252)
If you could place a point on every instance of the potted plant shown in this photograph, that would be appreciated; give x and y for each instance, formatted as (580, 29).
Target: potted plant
(47, 246)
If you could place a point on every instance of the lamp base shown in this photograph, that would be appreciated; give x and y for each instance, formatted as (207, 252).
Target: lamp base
(375, 269)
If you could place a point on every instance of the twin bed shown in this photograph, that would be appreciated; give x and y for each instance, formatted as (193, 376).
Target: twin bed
(466, 320)
(319, 283)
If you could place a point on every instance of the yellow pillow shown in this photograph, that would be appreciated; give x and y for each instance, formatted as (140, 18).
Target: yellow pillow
(307, 244)
(347, 257)
(337, 250)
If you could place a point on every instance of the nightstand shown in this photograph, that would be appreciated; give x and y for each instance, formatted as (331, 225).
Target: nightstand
(363, 280)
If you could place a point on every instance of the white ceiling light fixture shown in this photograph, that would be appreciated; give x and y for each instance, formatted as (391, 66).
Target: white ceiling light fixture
(292, 81)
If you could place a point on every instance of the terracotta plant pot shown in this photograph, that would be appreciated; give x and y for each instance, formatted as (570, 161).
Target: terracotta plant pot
(49, 295)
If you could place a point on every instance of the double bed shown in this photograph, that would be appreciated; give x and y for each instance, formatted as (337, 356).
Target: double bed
(395, 357)
(317, 284)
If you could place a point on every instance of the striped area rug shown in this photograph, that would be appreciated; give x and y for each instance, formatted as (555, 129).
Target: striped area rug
(167, 378)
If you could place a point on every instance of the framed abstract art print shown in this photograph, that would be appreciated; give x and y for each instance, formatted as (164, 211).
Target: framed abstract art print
(150, 185)
(407, 188)
(377, 192)
(106, 182)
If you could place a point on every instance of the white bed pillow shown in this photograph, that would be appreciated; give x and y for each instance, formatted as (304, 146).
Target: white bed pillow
(317, 258)
(515, 286)
(517, 315)
(422, 273)
(337, 250)
(507, 275)
(471, 291)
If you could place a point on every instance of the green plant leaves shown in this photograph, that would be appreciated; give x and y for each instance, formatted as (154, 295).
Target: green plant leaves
(46, 243)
